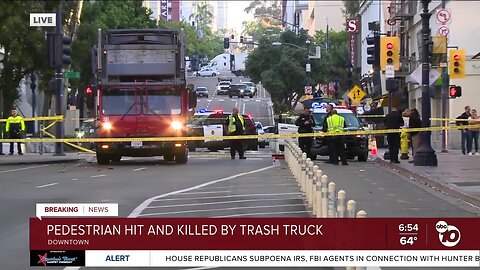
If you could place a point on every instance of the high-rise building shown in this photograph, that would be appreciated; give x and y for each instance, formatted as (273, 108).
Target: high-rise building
(218, 9)
(322, 15)
(168, 10)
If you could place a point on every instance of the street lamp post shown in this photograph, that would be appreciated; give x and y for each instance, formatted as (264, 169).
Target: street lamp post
(425, 155)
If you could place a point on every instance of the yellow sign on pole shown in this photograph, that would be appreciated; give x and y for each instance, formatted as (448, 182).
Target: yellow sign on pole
(356, 94)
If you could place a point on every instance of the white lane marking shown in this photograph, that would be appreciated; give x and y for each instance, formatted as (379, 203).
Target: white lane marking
(98, 175)
(71, 268)
(258, 100)
(25, 168)
(205, 192)
(229, 196)
(255, 158)
(262, 214)
(209, 100)
(220, 209)
(74, 179)
(223, 202)
(243, 108)
(221, 99)
(139, 169)
(137, 211)
(236, 104)
(47, 185)
(201, 268)
(245, 186)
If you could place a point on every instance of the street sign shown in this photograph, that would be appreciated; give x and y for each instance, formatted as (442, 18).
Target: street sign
(71, 75)
(443, 30)
(389, 71)
(356, 94)
(444, 16)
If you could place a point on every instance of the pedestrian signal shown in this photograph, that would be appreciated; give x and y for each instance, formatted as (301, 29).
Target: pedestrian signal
(455, 91)
(456, 66)
(226, 43)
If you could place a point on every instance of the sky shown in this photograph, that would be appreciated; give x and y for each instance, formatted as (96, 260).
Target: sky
(236, 14)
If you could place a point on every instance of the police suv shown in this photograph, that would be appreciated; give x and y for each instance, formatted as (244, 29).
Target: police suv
(355, 145)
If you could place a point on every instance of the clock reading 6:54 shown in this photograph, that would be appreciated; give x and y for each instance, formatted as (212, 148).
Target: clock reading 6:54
(408, 227)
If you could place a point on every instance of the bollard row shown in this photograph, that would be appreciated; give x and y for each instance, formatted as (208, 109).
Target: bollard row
(320, 194)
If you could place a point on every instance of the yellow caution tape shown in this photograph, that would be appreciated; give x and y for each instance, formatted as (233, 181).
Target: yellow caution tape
(71, 144)
(40, 118)
(238, 137)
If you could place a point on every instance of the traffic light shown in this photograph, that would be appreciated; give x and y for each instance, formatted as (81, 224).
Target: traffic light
(390, 52)
(241, 39)
(455, 91)
(90, 97)
(66, 50)
(456, 65)
(89, 90)
(373, 50)
(226, 43)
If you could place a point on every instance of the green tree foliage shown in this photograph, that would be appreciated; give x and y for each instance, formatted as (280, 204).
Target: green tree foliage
(267, 15)
(202, 16)
(351, 8)
(24, 46)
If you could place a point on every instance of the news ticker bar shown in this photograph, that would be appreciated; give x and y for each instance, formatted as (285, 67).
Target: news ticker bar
(257, 258)
(238, 137)
(262, 233)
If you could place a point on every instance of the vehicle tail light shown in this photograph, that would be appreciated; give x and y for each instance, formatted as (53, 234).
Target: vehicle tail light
(218, 111)
(249, 116)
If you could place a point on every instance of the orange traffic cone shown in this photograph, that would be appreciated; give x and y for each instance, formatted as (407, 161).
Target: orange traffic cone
(374, 149)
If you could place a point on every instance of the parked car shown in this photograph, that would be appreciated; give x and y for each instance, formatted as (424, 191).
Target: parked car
(212, 123)
(355, 145)
(223, 87)
(207, 72)
(239, 90)
(201, 91)
(88, 129)
(252, 89)
(261, 142)
(270, 130)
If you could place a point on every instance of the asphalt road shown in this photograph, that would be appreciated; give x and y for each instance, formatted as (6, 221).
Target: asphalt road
(260, 107)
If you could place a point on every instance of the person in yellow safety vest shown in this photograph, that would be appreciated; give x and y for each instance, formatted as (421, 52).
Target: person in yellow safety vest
(15, 127)
(336, 124)
(236, 126)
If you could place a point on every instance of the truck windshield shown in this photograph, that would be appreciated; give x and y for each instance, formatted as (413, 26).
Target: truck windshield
(164, 102)
(123, 101)
(118, 102)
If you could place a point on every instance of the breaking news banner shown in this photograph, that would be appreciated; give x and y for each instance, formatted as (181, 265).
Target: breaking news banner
(255, 242)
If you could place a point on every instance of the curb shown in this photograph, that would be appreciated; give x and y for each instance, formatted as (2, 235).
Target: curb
(432, 183)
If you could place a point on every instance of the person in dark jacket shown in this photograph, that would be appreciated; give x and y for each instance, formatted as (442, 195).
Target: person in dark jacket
(414, 121)
(464, 132)
(305, 123)
(393, 120)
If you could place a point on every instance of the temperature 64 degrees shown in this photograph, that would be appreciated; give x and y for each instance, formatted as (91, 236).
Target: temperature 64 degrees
(408, 240)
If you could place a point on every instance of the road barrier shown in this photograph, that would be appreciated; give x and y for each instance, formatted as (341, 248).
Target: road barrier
(320, 194)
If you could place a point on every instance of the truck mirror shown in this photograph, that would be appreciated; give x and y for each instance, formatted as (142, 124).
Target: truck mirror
(192, 99)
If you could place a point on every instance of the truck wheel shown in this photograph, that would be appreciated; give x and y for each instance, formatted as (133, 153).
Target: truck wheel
(102, 159)
(213, 74)
(363, 156)
(181, 157)
(116, 158)
(230, 96)
(168, 157)
(251, 96)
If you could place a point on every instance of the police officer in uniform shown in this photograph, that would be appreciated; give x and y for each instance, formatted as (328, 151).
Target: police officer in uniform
(393, 120)
(305, 123)
(328, 109)
(15, 127)
(336, 124)
(236, 126)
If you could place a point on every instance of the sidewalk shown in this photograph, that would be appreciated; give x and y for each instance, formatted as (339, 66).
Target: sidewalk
(47, 158)
(456, 174)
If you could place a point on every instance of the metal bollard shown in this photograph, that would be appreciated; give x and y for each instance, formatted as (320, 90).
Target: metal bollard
(361, 214)
(313, 188)
(332, 209)
(317, 177)
(303, 167)
(324, 196)
(305, 175)
(341, 202)
(351, 206)
(309, 183)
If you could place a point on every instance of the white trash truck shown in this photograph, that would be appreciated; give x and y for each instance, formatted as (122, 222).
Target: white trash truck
(230, 62)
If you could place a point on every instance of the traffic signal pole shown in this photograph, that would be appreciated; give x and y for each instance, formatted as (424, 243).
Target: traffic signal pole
(425, 156)
(59, 95)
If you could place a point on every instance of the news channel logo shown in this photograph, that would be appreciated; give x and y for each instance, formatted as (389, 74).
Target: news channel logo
(449, 235)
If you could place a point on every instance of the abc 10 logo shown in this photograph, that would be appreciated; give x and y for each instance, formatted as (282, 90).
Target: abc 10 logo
(448, 235)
